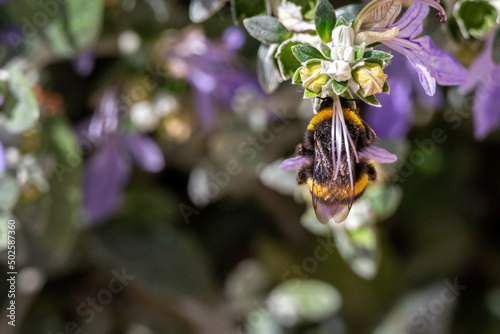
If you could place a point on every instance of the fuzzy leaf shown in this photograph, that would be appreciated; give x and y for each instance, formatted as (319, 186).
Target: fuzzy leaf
(349, 12)
(339, 86)
(84, 21)
(309, 94)
(240, 10)
(385, 57)
(20, 106)
(325, 18)
(9, 192)
(386, 89)
(325, 50)
(201, 10)
(341, 22)
(287, 62)
(358, 54)
(268, 73)
(296, 79)
(266, 29)
(304, 52)
(371, 100)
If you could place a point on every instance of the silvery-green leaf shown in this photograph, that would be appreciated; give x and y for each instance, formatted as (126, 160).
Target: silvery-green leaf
(349, 12)
(201, 10)
(371, 100)
(309, 94)
(385, 57)
(476, 18)
(296, 79)
(375, 61)
(20, 108)
(84, 20)
(384, 199)
(296, 301)
(267, 323)
(358, 247)
(407, 316)
(240, 10)
(287, 62)
(341, 22)
(57, 38)
(266, 29)
(386, 89)
(358, 54)
(9, 192)
(325, 50)
(339, 86)
(268, 73)
(324, 18)
(304, 52)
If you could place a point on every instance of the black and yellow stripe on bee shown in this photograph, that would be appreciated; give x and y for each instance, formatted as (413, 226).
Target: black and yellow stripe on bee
(327, 113)
(324, 192)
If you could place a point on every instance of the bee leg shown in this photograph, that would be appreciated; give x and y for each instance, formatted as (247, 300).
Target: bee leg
(301, 150)
(372, 173)
(303, 174)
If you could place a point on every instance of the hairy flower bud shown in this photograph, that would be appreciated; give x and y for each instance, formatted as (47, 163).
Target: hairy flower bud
(338, 70)
(312, 78)
(371, 79)
(342, 36)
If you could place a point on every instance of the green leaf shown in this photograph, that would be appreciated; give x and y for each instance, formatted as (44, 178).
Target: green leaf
(325, 19)
(268, 73)
(9, 192)
(358, 54)
(240, 10)
(84, 21)
(309, 94)
(20, 106)
(476, 18)
(310, 300)
(341, 22)
(296, 79)
(349, 12)
(385, 88)
(339, 87)
(370, 99)
(304, 52)
(287, 62)
(379, 62)
(201, 10)
(385, 57)
(57, 38)
(266, 29)
(496, 47)
(325, 50)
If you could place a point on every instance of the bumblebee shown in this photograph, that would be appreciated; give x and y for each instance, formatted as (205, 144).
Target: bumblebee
(334, 172)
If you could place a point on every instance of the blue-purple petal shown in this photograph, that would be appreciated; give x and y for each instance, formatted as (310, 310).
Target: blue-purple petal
(234, 38)
(486, 106)
(378, 154)
(106, 174)
(294, 163)
(480, 68)
(145, 152)
(411, 23)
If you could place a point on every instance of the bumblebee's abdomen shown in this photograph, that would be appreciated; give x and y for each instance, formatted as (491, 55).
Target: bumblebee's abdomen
(331, 193)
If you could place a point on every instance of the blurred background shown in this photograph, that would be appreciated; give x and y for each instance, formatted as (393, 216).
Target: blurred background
(139, 149)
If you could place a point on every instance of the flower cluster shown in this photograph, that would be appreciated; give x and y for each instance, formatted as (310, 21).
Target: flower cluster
(335, 56)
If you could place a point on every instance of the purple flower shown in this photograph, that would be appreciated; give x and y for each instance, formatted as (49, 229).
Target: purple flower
(3, 162)
(484, 75)
(394, 119)
(108, 169)
(212, 70)
(431, 63)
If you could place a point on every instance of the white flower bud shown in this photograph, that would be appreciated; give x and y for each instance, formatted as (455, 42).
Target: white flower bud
(338, 70)
(342, 36)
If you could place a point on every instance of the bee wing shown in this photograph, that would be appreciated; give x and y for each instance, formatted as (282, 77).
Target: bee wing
(337, 196)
